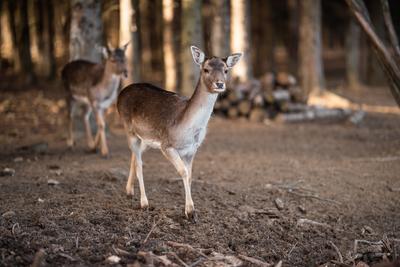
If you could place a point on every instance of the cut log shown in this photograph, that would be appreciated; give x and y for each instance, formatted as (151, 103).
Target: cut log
(244, 107)
(234, 96)
(285, 80)
(233, 112)
(313, 113)
(257, 115)
(281, 95)
(225, 104)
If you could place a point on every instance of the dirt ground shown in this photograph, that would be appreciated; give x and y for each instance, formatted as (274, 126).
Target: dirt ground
(344, 179)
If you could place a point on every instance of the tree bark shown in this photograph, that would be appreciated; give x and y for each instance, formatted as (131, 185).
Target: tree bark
(191, 35)
(24, 42)
(169, 53)
(310, 56)
(240, 39)
(220, 30)
(11, 14)
(129, 33)
(86, 30)
(293, 36)
(145, 39)
(263, 37)
(352, 51)
(42, 16)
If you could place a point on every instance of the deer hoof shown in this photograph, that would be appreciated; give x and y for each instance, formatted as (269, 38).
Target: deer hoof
(129, 192)
(144, 204)
(192, 216)
(105, 155)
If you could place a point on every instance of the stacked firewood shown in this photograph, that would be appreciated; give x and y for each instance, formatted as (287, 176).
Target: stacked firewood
(280, 98)
(260, 99)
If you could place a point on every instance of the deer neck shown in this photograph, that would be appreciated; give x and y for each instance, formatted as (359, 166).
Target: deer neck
(199, 108)
(109, 80)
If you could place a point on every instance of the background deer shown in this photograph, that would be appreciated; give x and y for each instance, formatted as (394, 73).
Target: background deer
(95, 85)
(172, 123)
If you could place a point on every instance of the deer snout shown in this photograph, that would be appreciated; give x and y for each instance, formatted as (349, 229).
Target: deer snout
(219, 85)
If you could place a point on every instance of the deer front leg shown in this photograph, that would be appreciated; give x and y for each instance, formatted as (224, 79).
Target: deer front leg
(185, 171)
(88, 129)
(101, 133)
(70, 120)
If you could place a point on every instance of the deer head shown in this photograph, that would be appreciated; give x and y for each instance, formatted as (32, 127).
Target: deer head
(116, 59)
(214, 70)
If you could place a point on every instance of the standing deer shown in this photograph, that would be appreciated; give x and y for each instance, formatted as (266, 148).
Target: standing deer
(95, 85)
(172, 123)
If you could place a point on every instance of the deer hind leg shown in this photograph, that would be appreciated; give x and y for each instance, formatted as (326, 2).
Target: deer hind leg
(185, 171)
(71, 106)
(88, 129)
(101, 133)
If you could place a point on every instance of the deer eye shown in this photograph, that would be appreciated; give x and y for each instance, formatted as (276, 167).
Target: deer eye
(226, 71)
(206, 70)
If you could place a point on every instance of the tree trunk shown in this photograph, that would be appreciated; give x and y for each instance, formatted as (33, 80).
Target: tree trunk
(156, 40)
(86, 30)
(240, 38)
(263, 37)
(191, 35)
(220, 28)
(293, 36)
(24, 42)
(62, 33)
(374, 74)
(353, 55)
(129, 33)
(42, 16)
(11, 14)
(310, 57)
(169, 53)
(145, 39)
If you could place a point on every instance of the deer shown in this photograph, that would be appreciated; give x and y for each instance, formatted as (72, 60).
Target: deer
(94, 86)
(174, 124)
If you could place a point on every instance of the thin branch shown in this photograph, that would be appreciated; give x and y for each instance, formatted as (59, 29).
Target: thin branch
(390, 29)
(151, 231)
(337, 251)
(389, 66)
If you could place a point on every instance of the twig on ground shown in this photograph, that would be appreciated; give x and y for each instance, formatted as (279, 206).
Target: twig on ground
(67, 256)
(39, 256)
(121, 252)
(181, 245)
(254, 261)
(302, 222)
(198, 261)
(178, 259)
(315, 197)
(291, 250)
(15, 225)
(151, 230)
(337, 251)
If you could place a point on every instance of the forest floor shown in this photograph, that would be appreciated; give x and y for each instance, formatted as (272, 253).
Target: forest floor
(334, 183)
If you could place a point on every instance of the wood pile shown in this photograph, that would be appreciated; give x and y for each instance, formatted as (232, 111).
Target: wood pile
(257, 100)
(280, 98)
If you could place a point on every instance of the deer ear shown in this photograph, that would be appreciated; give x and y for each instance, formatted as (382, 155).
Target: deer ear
(233, 59)
(126, 45)
(198, 55)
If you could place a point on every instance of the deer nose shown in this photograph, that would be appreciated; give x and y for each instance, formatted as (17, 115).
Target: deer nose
(220, 85)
